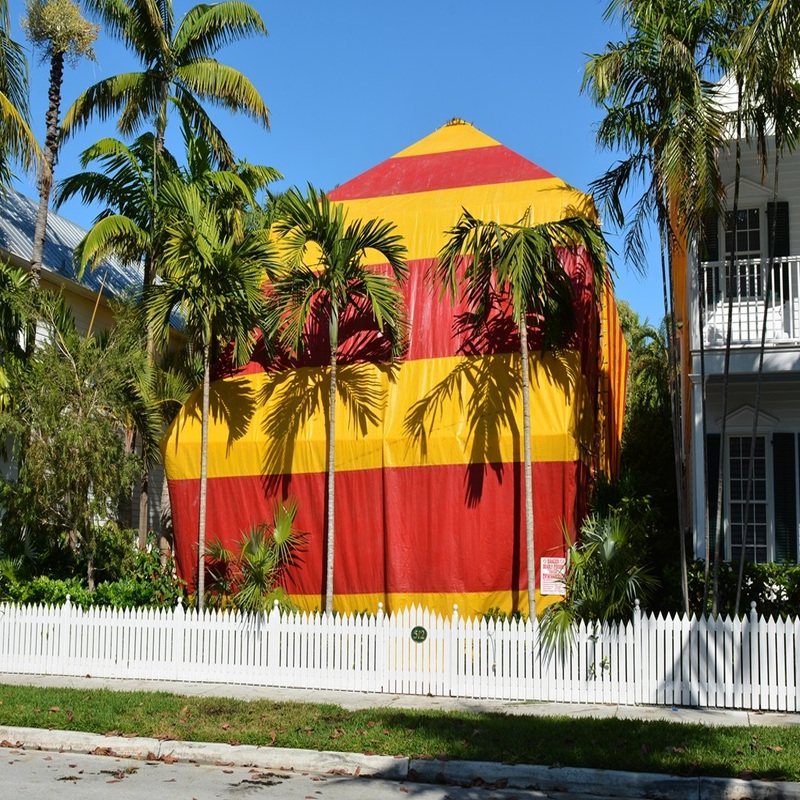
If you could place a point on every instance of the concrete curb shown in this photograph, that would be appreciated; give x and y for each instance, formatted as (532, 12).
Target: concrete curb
(607, 783)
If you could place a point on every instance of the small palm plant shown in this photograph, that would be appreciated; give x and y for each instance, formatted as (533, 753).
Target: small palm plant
(604, 577)
(249, 578)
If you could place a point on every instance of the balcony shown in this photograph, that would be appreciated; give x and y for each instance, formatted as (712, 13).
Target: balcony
(755, 289)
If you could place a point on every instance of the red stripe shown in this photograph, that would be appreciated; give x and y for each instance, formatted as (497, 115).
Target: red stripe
(435, 529)
(450, 170)
(437, 330)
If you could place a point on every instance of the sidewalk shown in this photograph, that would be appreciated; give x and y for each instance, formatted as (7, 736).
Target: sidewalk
(589, 781)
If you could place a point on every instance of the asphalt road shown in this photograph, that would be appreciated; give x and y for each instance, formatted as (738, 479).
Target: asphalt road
(39, 774)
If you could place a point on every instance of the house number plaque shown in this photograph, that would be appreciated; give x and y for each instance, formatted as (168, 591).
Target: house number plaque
(419, 634)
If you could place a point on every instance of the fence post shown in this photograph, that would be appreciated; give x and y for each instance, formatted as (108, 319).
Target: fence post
(273, 642)
(452, 655)
(638, 650)
(63, 633)
(178, 639)
(755, 658)
(380, 622)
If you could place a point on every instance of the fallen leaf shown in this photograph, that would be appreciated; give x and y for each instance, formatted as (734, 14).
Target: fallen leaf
(53, 709)
(775, 748)
(184, 712)
(226, 726)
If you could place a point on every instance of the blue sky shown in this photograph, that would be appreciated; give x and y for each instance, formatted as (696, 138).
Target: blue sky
(350, 83)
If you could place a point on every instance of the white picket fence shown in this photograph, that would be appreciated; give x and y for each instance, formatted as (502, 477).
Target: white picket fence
(750, 663)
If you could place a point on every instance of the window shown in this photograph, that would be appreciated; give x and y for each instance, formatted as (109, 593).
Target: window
(757, 533)
(774, 509)
(746, 281)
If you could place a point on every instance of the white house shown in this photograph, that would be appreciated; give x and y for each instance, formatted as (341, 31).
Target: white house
(761, 291)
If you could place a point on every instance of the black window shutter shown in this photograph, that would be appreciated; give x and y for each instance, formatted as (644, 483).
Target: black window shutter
(784, 471)
(780, 211)
(709, 237)
(712, 472)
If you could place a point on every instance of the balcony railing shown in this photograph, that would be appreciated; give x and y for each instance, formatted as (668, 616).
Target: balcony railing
(755, 288)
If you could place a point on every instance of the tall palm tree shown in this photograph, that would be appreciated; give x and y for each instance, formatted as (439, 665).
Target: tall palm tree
(661, 110)
(212, 273)
(522, 264)
(325, 274)
(176, 60)
(57, 27)
(766, 59)
(17, 142)
(124, 181)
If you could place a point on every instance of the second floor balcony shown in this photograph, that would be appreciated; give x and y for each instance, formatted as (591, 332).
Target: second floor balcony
(754, 293)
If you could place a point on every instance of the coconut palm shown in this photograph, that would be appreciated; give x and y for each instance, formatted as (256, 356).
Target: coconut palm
(212, 274)
(17, 142)
(325, 275)
(124, 181)
(57, 27)
(523, 264)
(176, 61)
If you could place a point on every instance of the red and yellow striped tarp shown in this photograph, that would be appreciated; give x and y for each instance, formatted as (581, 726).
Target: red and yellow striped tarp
(429, 484)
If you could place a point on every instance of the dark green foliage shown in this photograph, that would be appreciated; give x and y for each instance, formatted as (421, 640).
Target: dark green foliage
(144, 582)
(69, 411)
(604, 577)
(775, 588)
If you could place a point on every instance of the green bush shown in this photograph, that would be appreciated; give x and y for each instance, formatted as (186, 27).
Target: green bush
(147, 584)
(775, 588)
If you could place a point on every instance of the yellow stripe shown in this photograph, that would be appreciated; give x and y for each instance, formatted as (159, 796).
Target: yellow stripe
(424, 218)
(447, 139)
(430, 412)
(470, 604)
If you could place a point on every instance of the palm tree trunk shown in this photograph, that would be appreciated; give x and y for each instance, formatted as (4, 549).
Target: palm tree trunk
(528, 468)
(144, 504)
(331, 487)
(50, 155)
(201, 526)
(768, 282)
(726, 369)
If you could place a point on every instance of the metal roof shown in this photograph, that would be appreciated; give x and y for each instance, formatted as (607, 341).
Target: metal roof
(17, 224)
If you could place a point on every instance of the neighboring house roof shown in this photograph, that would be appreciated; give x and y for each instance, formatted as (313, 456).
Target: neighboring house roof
(17, 225)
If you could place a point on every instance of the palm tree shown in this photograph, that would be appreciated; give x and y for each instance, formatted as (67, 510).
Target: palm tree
(17, 142)
(523, 265)
(59, 29)
(766, 61)
(212, 274)
(330, 279)
(176, 60)
(124, 181)
(661, 110)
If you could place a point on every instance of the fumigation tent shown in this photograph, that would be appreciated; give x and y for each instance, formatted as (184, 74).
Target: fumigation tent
(429, 483)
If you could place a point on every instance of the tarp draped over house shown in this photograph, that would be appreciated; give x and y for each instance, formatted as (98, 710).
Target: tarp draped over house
(429, 483)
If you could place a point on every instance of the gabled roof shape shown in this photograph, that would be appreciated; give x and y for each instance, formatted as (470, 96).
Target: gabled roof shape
(428, 468)
(17, 225)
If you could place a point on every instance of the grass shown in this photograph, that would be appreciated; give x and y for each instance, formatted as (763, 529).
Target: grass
(663, 747)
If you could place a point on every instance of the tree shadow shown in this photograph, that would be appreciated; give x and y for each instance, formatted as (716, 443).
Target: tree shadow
(233, 402)
(296, 388)
(486, 398)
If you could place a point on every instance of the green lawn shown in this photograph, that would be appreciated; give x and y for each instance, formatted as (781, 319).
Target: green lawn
(666, 747)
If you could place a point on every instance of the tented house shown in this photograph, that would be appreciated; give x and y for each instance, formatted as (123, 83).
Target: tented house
(429, 480)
